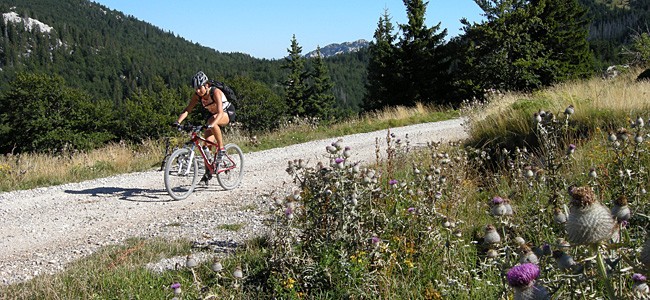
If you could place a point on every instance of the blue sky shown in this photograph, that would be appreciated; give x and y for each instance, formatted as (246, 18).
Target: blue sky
(264, 28)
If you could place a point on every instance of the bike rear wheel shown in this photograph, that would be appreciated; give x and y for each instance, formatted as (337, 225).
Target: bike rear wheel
(231, 169)
(181, 173)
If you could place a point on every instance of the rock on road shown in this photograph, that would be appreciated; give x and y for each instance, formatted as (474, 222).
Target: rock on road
(44, 229)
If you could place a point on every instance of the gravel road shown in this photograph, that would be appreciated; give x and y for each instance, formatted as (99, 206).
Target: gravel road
(44, 229)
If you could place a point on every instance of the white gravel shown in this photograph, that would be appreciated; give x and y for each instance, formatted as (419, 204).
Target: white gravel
(44, 229)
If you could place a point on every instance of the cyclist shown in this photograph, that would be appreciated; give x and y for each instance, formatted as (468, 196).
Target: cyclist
(215, 102)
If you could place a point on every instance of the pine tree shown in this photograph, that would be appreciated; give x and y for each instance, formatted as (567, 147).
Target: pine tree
(424, 66)
(526, 45)
(294, 86)
(382, 67)
(320, 102)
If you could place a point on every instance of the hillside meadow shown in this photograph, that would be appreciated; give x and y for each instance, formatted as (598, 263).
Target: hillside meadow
(546, 200)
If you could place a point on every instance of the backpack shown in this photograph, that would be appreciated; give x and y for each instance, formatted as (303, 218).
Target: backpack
(228, 91)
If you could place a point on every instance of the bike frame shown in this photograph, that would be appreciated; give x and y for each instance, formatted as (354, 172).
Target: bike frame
(195, 142)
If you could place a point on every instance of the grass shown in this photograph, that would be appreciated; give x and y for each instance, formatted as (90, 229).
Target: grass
(416, 230)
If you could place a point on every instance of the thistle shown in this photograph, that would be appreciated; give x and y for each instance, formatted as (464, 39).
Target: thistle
(522, 279)
(640, 286)
(491, 235)
(527, 255)
(620, 211)
(498, 207)
(589, 222)
(645, 254)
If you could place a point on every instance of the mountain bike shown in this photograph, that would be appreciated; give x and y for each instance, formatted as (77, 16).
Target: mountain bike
(182, 166)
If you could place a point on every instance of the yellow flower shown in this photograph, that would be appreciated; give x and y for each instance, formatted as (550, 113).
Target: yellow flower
(289, 283)
(409, 263)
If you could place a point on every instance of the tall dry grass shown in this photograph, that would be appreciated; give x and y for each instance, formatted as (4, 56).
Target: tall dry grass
(599, 104)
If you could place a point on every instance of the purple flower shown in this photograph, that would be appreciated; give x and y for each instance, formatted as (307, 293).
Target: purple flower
(497, 200)
(638, 278)
(288, 211)
(347, 148)
(393, 182)
(572, 148)
(411, 209)
(175, 285)
(375, 240)
(523, 275)
(339, 160)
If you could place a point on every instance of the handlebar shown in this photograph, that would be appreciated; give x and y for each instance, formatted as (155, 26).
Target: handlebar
(191, 128)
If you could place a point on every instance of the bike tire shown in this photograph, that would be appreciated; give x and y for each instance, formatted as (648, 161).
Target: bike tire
(181, 175)
(234, 161)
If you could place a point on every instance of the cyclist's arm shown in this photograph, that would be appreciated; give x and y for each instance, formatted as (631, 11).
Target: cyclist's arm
(189, 108)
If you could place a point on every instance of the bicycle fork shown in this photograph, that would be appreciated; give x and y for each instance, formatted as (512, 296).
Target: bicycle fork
(188, 162)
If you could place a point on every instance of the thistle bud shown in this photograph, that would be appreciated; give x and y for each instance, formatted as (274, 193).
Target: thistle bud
(589, 222)
(620, 210)
(190, 262)
(491, 235)
(569, 110)
(645, 254)
(639, 122)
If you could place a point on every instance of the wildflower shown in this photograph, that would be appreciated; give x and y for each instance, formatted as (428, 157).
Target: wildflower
(216, 266)
(645, 254)
(527, 255)
(522, 279)
(592, 173)
(337, 144)
(520, 241)
(392, 182)
(331, 149)
(622, 134)
(176, 287)
(529, 172)
(347, 153)
(288, 213)
(491, 235)
(375, 240)
(612, 137)
(190, 262)
(492, 253)
(620, 211)
(498, 207)
(638, 139)
(237, 273)
(572, 149)
(564, 261)
(506, 204)
(639, 122)
(339, 160)
(640, 288)
(559, 216)
(411, 209)
(569, 110)
(546, 249)
(589, 222)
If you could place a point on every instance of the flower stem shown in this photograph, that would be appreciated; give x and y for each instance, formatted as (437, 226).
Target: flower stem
(603, 273)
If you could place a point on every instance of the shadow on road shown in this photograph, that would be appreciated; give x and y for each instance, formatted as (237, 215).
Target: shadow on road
(135, 194)
(128, 194)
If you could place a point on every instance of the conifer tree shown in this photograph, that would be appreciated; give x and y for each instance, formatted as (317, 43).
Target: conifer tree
(320, 102)
(295, 85)
(423, 64)
(382, 67)
(526, 45)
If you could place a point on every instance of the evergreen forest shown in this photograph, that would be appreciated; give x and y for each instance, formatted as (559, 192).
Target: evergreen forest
(100, 76)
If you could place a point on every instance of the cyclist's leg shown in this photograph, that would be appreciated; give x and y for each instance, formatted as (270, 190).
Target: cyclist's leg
(215, 121)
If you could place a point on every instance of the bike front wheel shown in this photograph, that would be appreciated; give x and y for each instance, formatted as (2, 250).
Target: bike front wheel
(181, 173)
(231, 169)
